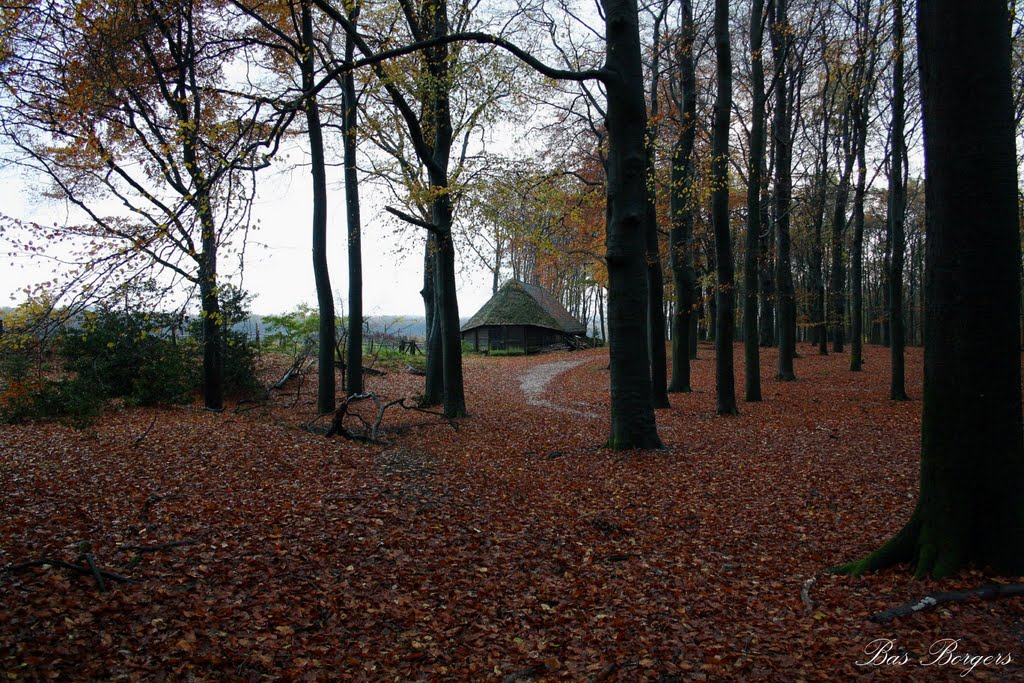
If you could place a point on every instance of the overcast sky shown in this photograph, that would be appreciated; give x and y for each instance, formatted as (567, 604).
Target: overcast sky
(278, 266)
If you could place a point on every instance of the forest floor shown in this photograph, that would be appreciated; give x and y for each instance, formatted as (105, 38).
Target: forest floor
(513, 549)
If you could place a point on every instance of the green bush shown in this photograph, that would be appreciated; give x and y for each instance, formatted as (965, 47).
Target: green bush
(73, 400)
(508, 351)
(141, 357)
(239, 354)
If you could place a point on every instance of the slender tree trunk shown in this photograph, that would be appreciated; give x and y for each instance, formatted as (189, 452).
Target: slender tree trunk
(887, 269)
(820, 336)
(496, 273)
(655, 276)
(766, 274)
(433, 389)
(867, 56)
(213, 364)
(783, 196)
(632, 413)
(354, 355)
(325, 400)
(751, 347)
(972, 457)
(684, 277)
(857, 260)
(820, 326)
(725, 381)
(897, 204)
(837, 281)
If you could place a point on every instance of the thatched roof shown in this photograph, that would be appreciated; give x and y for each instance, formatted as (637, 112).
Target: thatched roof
(518, 303)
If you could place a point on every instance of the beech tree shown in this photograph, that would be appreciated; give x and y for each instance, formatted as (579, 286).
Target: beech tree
(896, 213)
(783, 141)
(123, 102)
(725, 382)
(972, 455)
(682, 200)
(751, 288)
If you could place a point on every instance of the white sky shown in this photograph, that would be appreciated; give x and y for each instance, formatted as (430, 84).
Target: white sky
(278, 267)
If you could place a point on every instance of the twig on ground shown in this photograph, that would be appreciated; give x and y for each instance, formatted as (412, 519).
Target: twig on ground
(156, 547)
(141, 437)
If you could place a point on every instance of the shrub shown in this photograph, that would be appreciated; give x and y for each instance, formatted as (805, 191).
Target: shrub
(73, 400)
(141, 357)
(239, 354)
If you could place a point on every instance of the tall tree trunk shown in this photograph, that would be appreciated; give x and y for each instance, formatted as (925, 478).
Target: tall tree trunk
(751, 347)
(632, 414)
(213, 363)
(857, 258)
(820, 336)
(887, 269)
(783, 197)
(354, 351)
(866, 55)
(655, 276)
(820, 326)
(433, 389)
(766, 275)
(897, 204)
(435, 15)
(725, 381)
(972, 456)
(684, 278)
(325, 399)
(837, 280)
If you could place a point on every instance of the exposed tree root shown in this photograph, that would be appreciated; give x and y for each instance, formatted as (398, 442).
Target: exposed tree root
(89, 569)
(900, 548)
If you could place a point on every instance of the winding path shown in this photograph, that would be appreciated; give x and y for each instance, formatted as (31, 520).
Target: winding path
(536, 380)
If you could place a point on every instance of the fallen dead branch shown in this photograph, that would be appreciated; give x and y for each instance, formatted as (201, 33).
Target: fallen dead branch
(90, 568)
(928, 602)
(371, 432)
(299, 365)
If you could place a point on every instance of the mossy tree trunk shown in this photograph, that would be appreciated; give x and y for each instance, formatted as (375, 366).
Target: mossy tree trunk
(972, 459)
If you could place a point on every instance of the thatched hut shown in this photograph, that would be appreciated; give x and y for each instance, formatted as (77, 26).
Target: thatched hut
(520, 317)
